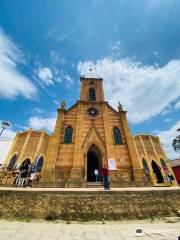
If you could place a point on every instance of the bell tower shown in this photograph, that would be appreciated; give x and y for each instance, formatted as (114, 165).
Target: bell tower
(91, 90)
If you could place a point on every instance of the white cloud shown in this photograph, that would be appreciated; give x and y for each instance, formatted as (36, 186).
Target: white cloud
(167, 110)
(46, 75)
(56, 102)
(5, 146)
(37, 110)
(39, 123)
(177, 105)
(145, 91)
(166, 138)
(12, 82)
(66, 78)
(115, 50)
(49, 76)
(56, 58)
(6, 140)
(8, 134)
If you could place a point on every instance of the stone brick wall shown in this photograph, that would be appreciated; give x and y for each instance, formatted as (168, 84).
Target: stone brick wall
(85, 206)
(29, 144)
(95, 84)
(150, 148)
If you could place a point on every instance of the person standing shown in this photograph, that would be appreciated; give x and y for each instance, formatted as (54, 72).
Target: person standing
(30, 179)
(105, 173)
(22, 179)
(18, 178)
(96, 173)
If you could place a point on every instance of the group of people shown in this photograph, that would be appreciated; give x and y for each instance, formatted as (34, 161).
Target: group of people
(25, 175)
(105, 174)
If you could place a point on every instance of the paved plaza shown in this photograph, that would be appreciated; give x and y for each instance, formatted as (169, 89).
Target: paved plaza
(41, 230)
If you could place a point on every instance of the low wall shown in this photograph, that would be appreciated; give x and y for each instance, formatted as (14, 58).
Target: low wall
(89, 205)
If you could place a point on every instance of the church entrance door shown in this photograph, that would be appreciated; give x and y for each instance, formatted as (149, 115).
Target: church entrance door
(93, 162)
(157, 172)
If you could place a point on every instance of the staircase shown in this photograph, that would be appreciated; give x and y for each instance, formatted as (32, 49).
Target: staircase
(94, 185)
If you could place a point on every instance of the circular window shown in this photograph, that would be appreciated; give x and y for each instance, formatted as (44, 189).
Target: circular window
(93, 112)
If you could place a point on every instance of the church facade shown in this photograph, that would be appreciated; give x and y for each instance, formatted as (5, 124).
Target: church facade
(86, 136)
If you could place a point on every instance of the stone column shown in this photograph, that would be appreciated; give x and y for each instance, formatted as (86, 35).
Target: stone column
(48, 174)
(39, 145)
(11, 151)
(153, 179)
(22, 153)
(76, 171)
(138, 174)
(107, 132)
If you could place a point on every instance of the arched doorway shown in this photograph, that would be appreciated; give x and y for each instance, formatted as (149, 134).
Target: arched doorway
(39, 164)
(25, 164)
(12, 163)
(157, 172)
(93, 162)
(146, 169)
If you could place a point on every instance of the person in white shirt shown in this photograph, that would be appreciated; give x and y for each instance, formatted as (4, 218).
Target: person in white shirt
(96, 172)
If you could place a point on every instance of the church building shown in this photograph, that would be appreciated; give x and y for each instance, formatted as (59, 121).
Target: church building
(86, 136)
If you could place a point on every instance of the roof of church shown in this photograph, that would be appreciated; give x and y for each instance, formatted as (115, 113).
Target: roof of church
(33, 130)
(175, 162)
(145, 135)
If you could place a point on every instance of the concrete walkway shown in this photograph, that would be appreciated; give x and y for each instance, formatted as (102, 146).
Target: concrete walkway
(90, 189)
(89, 231)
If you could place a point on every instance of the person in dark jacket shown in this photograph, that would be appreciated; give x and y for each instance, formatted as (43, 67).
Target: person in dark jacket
(23, 178)
(105, 173)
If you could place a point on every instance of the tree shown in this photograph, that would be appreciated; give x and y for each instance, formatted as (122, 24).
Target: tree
(176, 142)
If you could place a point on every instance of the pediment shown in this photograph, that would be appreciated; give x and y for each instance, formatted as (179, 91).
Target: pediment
(93, 137)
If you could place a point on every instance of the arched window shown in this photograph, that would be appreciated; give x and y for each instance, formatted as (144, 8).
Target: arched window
(27, 161)
(157, 172)
(68, 135)
(92, 94)
(12, 162)
(145, 166)
(39, 164)
(25, 164)
(164, 166)
(117, 136)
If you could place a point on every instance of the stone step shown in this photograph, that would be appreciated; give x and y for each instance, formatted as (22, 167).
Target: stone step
(94, 184)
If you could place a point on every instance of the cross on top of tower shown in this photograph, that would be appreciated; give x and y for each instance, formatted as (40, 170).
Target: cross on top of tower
(90, 68)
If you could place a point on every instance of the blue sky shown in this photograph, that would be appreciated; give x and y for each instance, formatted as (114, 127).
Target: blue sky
(45, 46)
